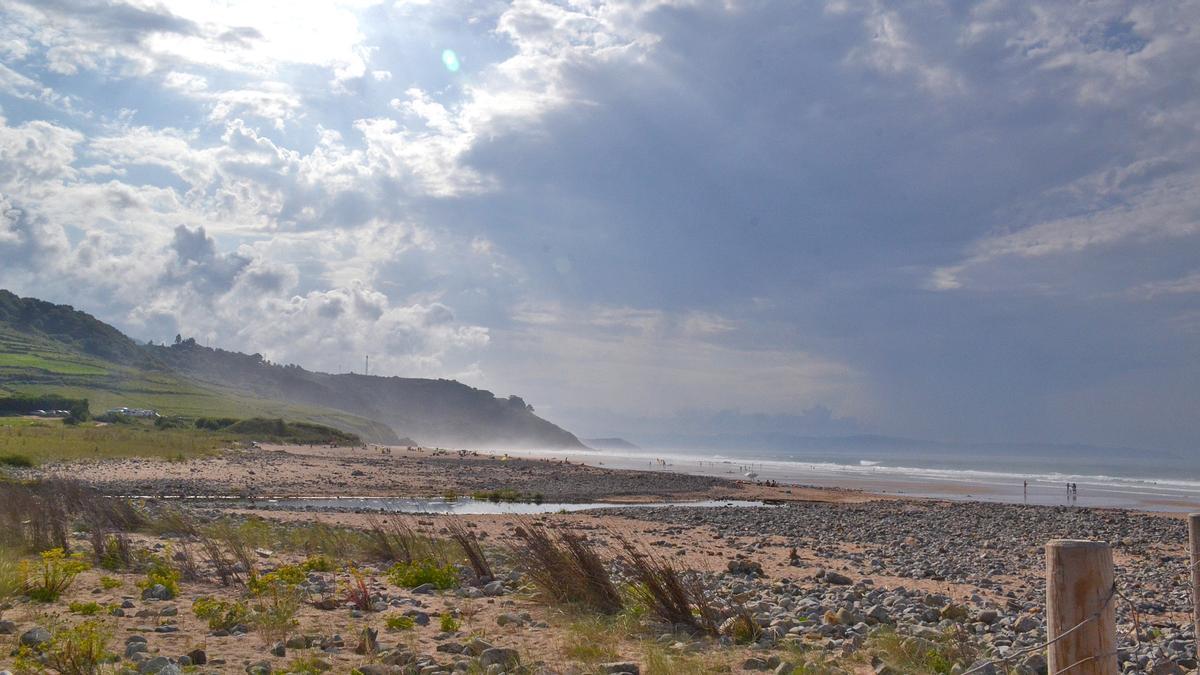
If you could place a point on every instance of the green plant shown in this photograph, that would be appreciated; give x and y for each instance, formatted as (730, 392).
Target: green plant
(306, 665)
(16, 461)
(411, 575)
(52, 574)
(591, 639)
(160, 572)
(221, 614)
(109, 583)
(501, 495)
(318, 563)
(286, 575)
(85, 608)
(448, 623)
(399, 622)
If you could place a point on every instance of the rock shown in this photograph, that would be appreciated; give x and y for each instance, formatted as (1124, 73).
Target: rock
(425, 589)
(7, 627)
(326, 604)
(507, 618)
(620, 667)
(157, 592)
(198, 656)
(477, 646)
(154, 665)
(1036, 663)
(35, 637)
(1026, 624)
(132, 648)
(1166, 667)
(879, 614)
(297, 642)
(985, 668)
(953, 612)
(368, 642)
(279, 649)
(836, 579)
(743, 566)
(988, 616)
(494, 588)
(754, 663)
(259, 668)
(499, 656)
(375, 669)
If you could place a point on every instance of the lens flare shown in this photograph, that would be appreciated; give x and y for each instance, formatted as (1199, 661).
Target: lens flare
(450, 60)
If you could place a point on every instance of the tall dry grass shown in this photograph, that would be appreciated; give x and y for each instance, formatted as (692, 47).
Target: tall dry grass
(565, 567)
(673, 595)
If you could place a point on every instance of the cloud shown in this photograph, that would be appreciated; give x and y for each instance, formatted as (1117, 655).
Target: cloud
(972, 222)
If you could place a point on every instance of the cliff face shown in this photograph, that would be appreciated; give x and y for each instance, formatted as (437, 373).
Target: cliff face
(433, 412)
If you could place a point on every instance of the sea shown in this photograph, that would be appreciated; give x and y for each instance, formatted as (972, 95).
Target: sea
(1116, 478)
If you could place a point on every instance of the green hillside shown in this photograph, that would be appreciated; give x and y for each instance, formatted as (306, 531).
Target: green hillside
(54, 349)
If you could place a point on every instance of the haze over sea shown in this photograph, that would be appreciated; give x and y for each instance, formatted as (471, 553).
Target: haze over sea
(1121, 478)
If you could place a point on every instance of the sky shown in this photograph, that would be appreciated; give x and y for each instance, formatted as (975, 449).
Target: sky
(967, 221)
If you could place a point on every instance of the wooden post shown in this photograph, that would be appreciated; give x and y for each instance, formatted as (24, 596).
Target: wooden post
(1194, 546)
(1079, 581)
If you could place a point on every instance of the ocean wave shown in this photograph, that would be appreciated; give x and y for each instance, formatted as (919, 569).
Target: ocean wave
(799, 470)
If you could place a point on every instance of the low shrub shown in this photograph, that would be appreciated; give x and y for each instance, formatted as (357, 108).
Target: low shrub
(16, 461)
(411, 575)
(501, 495)
(357, 592)
(318, 563)
(78, 650)
(306, 665)
(115, 552)
(46, 579)
(221, 614)
(109, 583)
(448, 623)
(286, 575)
(274, 614)
(930, 656)
(11, 582)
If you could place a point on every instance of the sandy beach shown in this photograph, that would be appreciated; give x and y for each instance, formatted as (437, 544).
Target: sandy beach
(825, 572)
